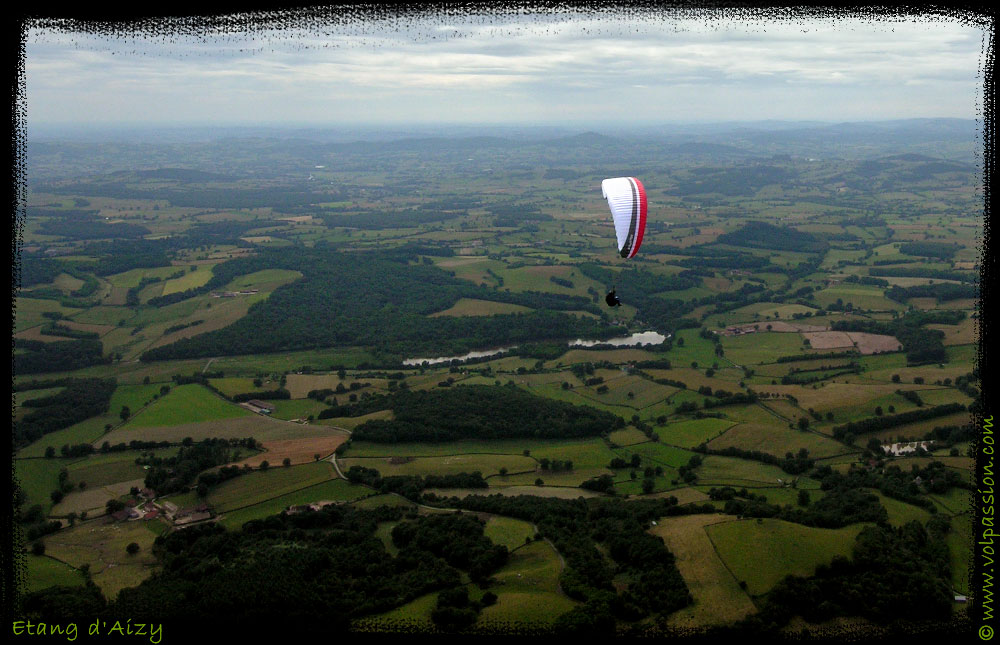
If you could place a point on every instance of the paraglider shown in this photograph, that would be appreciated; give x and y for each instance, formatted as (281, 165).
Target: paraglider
(627, 201)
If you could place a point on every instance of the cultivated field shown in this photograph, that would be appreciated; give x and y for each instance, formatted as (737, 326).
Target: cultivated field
(718, 598)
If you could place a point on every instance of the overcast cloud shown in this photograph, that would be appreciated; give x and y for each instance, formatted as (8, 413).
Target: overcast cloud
(572, 68)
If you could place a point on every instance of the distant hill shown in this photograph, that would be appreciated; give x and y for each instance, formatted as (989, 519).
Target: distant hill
(181, 174)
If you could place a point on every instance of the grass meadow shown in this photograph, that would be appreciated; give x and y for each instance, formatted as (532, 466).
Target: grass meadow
(762, 551)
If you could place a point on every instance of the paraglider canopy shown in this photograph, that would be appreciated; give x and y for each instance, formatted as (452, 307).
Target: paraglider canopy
(627, 200)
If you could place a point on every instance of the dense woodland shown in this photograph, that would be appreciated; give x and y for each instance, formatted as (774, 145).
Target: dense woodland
(576, 527)
(79, 400)
(481, 412)
(324, 563)
(346, 299)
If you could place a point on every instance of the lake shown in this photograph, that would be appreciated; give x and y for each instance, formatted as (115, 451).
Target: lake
(638, 338)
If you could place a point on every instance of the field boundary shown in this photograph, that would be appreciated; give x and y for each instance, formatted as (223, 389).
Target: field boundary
(723, 561)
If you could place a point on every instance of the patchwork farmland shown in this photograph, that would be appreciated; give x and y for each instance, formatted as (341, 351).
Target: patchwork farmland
(233, 396)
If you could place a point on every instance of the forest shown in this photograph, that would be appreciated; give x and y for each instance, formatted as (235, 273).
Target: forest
(483, 412)
(364, 284)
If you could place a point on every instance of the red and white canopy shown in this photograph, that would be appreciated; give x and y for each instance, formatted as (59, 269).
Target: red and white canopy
(627, 200)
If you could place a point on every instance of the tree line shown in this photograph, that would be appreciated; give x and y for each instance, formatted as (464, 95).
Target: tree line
(875, 424)
(35, 356)
(81, 399)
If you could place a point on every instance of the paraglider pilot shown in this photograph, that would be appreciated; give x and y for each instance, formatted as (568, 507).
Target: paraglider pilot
(612, 299)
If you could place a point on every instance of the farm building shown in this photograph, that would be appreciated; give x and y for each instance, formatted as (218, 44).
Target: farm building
(740, 330)
(302, 508)
(197, 516)
(898, 449)
(258, 406)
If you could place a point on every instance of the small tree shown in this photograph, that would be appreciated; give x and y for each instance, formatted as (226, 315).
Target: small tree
(38, 548)
(125, 413)
(286, 462)
(264, 465)
(132, 548)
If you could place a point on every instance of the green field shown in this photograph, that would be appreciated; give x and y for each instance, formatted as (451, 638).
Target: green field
(473, 307)
(289, 409)
(44, 571)
(132, 396)
(233, 385)
(628, 437)
(29, 312)
(260, 486)
(730, 471)
(508, 531)
(693, 432)
(527, 588)
(187, 404)
(761, 347)
(38, 478)
(718, 598)
(334, 490)
(190, 280)
(101, 470)
(488, 465)
(776, 439)
(761, 552)
(102, 546)
(901, 513)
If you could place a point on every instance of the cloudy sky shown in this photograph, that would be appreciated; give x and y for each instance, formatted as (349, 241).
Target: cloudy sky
(534, 68)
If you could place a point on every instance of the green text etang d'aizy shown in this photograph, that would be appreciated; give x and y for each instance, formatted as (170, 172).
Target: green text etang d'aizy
(97, 628)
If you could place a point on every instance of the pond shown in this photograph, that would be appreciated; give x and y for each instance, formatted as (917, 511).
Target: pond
(636, 339)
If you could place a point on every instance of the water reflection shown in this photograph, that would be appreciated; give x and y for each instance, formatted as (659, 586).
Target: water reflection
(636, 339)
